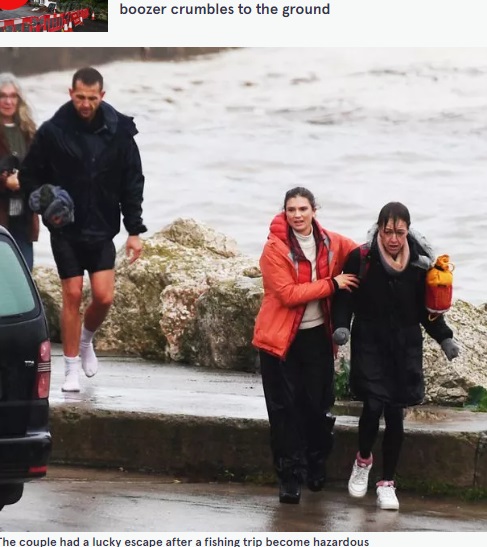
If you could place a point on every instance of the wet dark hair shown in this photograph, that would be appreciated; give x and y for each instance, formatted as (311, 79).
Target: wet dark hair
(302, 192)
(89, 76)
(395, 211)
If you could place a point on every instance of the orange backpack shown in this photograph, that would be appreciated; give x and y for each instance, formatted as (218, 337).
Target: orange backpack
(439, 286)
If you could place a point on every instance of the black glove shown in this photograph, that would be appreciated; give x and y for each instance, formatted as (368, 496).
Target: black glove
(341, 336)
(451, 348)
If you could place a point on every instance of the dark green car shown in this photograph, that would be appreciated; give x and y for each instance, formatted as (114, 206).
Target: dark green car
(25, 375)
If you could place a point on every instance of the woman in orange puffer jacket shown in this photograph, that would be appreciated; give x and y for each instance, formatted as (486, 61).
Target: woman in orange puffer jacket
(301, 267)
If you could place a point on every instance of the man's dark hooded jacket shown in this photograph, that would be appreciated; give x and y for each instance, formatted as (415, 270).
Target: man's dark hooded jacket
(98, 164)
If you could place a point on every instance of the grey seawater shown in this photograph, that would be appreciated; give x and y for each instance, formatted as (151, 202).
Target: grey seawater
(223, 137)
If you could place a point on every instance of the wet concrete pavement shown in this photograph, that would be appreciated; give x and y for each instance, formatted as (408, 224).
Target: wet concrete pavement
(82, 500)
(131, 384)
(212, 425)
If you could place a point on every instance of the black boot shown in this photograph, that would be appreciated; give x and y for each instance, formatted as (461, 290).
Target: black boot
(289, 490)
(316, 476)
(316, 484)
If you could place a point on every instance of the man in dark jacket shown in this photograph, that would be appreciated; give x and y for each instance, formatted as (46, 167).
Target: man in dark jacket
(88, 149)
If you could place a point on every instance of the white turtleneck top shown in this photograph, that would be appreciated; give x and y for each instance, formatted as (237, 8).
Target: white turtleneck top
(313, 315)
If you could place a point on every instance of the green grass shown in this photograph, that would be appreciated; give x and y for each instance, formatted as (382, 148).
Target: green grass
(477, 399)
(342, 390)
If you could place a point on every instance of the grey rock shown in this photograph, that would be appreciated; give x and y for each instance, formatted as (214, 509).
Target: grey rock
(49, 287)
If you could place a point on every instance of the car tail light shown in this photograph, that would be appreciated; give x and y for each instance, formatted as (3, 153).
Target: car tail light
(43, 379)
(38, 470)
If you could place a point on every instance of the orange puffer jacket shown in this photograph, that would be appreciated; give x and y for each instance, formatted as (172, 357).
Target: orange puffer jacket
(286, 293)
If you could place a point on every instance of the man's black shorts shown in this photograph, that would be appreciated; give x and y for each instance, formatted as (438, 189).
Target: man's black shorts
(74, 257)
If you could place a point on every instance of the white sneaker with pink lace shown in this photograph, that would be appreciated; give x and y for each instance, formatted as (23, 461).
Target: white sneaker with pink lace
(386, 496)
(359, 478)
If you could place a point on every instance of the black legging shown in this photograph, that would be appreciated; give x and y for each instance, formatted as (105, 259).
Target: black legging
(299, 393)
(368, 429)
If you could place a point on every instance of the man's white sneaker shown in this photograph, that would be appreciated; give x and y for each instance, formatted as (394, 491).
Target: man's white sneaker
(386, 496)
(89, 361)
(359, 479)
(71, 377)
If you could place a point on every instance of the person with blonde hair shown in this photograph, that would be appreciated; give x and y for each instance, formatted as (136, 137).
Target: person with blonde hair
(17, 130)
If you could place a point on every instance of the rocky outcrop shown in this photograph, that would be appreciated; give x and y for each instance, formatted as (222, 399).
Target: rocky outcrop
(449, 381)
(223, 326)
(193, 298)
(49, 288)
(167, 303)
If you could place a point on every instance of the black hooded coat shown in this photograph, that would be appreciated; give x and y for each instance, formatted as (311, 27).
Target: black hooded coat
(98, 164)
(386, 360)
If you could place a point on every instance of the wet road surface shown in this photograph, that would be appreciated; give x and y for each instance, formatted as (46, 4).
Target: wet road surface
(82, 500)
(24, 11)
(92, 26)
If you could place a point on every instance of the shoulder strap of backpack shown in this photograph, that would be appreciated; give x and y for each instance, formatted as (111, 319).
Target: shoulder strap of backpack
(364, 260)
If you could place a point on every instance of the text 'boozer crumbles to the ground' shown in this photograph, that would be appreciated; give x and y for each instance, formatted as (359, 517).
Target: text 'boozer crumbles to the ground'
(218, 9)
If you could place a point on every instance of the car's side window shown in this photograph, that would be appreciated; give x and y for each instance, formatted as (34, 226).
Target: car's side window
(15, 290)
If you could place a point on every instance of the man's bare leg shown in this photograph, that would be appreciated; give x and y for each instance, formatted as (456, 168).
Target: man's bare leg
(72, 289)
(102, 290)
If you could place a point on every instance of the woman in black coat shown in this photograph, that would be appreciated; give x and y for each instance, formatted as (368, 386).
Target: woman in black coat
(386, 367)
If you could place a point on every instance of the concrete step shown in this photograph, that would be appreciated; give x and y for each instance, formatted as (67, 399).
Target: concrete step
(209, 425)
